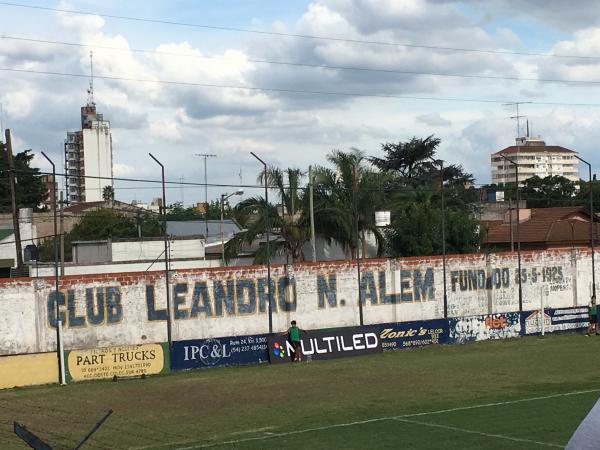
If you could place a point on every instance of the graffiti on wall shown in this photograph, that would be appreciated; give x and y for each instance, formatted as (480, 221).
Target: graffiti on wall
(484, 327)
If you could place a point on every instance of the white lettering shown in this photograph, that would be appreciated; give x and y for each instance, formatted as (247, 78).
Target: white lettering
(328, 339)
(356, 341)
(373, 343)
(346, 349)
(323, 350)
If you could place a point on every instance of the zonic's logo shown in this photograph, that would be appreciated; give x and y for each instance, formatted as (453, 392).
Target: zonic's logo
(278, 350)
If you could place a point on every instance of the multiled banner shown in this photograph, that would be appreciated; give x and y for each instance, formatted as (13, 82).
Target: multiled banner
(326, 344)
(222, 351)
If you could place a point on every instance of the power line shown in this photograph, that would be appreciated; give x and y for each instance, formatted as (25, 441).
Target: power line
(288, 90)
(297, 35)
(306, 65)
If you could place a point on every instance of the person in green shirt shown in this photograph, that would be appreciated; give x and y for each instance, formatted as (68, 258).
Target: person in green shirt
(592, 327)
(293, 334)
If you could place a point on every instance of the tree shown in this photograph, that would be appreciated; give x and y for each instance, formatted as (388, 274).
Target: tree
(352, 189)
(30, 189)
(108, 193)
(180, 213)
(550, 191)
(102, 224)
(290, 229)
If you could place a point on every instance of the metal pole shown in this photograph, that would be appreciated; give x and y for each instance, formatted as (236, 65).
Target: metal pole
(518, 233)
(355, 208)
(441, 163)
(56, 278)
(205, 156)
(312, 214)
(267, 226)
(164, 217)
(222, 238)
(591, 223)
(62, 236)
(13, 198)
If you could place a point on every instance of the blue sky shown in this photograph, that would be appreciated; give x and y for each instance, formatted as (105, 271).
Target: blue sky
(296, 130)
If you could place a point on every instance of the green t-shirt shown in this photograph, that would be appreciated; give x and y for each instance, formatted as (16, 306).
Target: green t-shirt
(294, 333)
(593, 310)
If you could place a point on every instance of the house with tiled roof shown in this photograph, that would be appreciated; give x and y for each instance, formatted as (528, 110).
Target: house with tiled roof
(539, 228)
(534, 157)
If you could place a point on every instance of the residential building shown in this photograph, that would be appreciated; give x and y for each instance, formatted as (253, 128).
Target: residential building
(534, 157)
(88, 157)
(51, 186)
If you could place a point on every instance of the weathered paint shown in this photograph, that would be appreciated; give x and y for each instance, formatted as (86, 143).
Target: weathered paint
(105, 310)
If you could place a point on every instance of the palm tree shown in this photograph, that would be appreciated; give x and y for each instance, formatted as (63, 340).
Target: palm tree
(352, 190)
(290, 228)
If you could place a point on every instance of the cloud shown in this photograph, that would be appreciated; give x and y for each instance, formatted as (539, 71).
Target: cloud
(434, 119)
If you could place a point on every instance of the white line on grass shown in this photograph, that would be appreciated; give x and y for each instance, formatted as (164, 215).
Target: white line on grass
(480, 433)
(377, 419)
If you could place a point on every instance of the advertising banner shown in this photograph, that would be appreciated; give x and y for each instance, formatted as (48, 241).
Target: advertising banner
(395, 336)
(122, 361)
(555, 319)
(222, 351)
(326, 344)
(484, 327)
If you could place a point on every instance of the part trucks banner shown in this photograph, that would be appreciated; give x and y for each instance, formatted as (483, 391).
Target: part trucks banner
(327, 344)
(222, 351)
(122, 361)
(561, 319)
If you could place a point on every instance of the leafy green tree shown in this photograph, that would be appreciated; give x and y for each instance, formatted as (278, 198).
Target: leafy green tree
(179, 212)
(30, 190)
(550, 191)
(102, 224)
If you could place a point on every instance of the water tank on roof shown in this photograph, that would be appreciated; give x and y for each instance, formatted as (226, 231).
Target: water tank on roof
(382, 218)
(30, 253)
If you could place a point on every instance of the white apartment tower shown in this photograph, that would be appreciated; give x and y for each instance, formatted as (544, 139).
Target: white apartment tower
(88, 157)
(534, 157)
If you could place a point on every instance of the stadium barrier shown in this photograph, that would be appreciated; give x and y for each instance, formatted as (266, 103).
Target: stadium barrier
(403, 299)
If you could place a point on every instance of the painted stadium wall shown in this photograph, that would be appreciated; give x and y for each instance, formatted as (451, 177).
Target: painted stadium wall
(106, 310)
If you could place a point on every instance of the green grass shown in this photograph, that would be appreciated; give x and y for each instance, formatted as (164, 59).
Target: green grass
(256, 407)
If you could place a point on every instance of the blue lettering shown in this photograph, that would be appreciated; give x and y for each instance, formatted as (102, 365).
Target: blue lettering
(53, 303)
(287, 302)
(246, 289)
(179, 291)
(201, 293)
(153, 313)
(367, 287)
(327, 289)
(223, 294)
(95, 313)
(114, 309)
(74, 319)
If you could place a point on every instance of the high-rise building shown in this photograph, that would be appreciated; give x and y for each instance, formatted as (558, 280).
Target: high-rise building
(88, 157)
(534, 157)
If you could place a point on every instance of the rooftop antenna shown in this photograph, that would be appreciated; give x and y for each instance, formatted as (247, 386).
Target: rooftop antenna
(527, 127)
(518, 117)
(90, 91)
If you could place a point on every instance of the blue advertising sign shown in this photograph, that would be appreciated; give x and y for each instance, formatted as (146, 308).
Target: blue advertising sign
(481, 328)
(399, 335)
(555, 319)
(221, 351)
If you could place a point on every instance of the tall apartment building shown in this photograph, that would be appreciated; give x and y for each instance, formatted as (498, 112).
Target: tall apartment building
(534, 157)
(88, 154)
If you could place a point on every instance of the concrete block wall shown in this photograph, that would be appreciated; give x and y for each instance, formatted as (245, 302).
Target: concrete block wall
(102, 310)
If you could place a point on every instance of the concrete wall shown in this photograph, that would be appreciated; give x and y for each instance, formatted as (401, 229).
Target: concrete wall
(123, 309)
(154, 249)
(97, 151)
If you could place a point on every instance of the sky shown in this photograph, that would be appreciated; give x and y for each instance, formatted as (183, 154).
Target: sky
(389, 70)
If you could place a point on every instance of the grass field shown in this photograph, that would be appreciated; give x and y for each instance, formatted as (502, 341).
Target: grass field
(521, 394)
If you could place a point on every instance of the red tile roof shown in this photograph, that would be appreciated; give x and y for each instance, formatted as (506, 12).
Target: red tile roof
(535, 149)
(546, 225)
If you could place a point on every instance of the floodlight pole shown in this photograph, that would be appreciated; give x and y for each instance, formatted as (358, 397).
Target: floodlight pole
(56, 277)
(223, 198)
(357, 254)
(591, 223)
(267, 232)
(518, 232)
(165, 238)
(205, 156)
(441, 164)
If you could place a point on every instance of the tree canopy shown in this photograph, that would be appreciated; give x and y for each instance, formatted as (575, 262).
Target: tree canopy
(30, 189)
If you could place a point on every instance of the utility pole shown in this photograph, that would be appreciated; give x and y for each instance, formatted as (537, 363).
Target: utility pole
(312, 214)
(13, 199)
(205, 156)
(62, 236)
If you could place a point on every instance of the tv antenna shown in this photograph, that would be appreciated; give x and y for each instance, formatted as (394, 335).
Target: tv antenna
(518, 117)
(90, 90)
